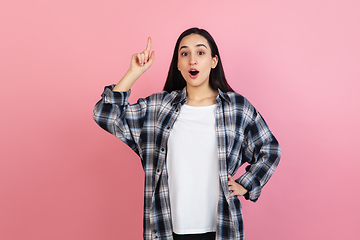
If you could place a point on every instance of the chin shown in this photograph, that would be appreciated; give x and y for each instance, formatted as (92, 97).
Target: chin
(195, 83)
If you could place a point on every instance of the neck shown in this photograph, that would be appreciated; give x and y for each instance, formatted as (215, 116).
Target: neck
(201, 95)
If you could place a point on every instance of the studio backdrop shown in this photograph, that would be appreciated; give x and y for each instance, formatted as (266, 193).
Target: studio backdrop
(63, 177)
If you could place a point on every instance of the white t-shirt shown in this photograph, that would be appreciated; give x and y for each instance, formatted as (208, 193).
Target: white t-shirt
(193, 170)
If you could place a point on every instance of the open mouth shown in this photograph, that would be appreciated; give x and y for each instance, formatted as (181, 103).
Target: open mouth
(193, 72)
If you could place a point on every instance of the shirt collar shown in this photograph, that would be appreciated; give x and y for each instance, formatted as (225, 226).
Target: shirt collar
(223, 95)
(181, 97)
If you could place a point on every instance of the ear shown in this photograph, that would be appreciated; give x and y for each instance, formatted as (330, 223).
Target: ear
(214, 61)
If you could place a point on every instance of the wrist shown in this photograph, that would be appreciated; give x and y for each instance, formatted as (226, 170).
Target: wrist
(133, 74)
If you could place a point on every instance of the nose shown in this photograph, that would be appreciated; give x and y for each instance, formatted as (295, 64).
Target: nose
(193, 60)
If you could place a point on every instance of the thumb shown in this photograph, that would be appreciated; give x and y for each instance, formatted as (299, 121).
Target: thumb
(151, 59)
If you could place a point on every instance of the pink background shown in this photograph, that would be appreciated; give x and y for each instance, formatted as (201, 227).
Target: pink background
(63, 177)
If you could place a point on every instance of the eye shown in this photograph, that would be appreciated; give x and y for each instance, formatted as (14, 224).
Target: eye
(184, 54)
(201, 53)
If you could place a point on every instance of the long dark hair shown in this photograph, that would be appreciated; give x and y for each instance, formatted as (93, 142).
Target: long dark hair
(217, 80)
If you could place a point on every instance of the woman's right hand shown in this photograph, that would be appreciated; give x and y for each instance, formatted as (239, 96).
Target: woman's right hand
(140, 62)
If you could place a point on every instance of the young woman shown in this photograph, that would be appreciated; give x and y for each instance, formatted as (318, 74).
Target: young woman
(191, 139)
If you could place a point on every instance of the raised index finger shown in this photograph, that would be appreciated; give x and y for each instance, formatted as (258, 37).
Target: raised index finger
(148, 47)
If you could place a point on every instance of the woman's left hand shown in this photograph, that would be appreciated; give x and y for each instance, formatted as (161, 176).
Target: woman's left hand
(237, 189)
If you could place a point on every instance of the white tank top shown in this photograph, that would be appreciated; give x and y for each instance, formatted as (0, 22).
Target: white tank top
(193, 170)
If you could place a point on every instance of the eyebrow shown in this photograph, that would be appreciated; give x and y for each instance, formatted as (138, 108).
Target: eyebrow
(198, 45)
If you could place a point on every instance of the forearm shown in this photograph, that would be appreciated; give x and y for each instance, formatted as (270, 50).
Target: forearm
(262, 167)
(262, 151)
(127, 81)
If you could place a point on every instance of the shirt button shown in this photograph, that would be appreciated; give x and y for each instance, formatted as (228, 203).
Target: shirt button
(177, 110)
(162, 149)
(157, 170)
(168, 128)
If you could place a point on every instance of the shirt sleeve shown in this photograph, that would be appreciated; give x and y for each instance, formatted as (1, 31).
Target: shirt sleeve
(262, 151)
(114, 114)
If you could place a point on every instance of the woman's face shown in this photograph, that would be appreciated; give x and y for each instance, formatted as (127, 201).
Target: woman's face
(195, 61)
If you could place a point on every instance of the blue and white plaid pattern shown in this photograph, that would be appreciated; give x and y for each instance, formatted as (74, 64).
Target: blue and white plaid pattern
(243, 136)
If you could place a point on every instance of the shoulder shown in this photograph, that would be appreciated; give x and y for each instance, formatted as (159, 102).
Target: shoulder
(238, 101)
(161, 98)
(241, 108)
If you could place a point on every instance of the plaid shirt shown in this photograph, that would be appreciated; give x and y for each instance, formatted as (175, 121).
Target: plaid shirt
(242, 136)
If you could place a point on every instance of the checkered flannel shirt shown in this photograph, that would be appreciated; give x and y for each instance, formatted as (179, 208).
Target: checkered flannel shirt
(242, 136)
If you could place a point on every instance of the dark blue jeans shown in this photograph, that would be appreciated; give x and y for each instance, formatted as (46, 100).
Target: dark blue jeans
(203, 236)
